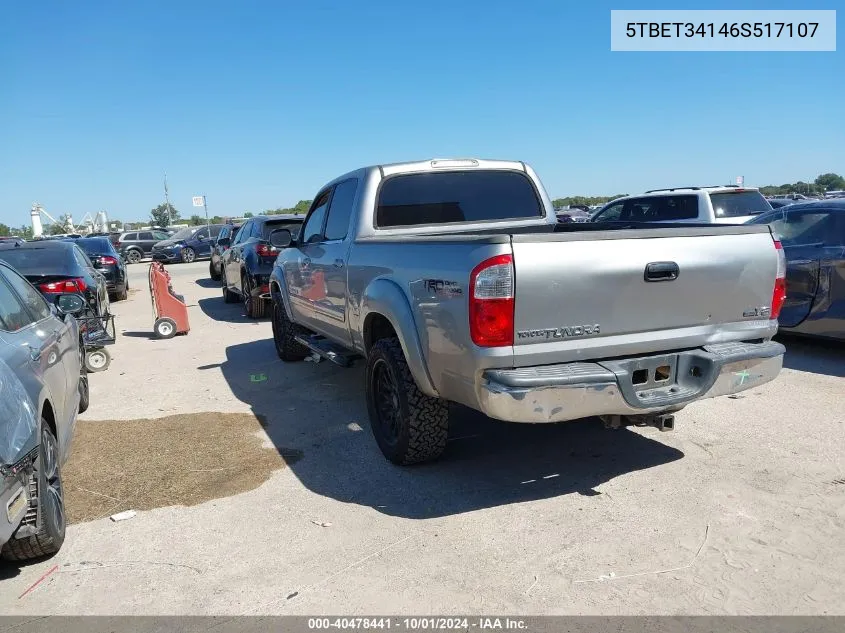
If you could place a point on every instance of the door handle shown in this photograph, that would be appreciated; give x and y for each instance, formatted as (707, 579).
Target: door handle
(661, 271)
(34, 354)
(338, 263)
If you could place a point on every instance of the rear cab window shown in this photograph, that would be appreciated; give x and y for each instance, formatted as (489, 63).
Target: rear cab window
(456, 196)
(737, 204)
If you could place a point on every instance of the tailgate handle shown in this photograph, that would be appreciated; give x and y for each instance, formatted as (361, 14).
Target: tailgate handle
(662, 271)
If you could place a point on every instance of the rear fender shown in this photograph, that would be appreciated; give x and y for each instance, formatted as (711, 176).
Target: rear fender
(385, 298)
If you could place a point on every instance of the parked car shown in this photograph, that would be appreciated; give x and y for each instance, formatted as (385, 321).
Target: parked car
(187, 245)
(455, 282)
(44, 386)
(136, 245)
(58, 267)
(813, 238)
(108, 262)
(247, 264)
(224, 240)
(708, 205)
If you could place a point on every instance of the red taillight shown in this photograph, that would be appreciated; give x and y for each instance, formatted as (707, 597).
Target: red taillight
(491, 292)
(108, 260)
(68, 285)
(265, 288)
(779, 292)
(265, 250)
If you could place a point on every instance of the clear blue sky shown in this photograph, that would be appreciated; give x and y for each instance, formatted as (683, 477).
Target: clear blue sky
(256, 104)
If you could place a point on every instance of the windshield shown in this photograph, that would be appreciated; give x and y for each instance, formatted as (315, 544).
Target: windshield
(183, 234)
(735, 204)
(95, 246)
(269, 227)
(34, 261)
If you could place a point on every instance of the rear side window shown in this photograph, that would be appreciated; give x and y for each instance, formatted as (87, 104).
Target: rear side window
(662, 209)
(456, 196)
(735, 204)
(340, 210)
(145, 236)
(129, 237)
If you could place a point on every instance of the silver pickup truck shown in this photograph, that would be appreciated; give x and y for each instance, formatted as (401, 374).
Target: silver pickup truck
(454, 281)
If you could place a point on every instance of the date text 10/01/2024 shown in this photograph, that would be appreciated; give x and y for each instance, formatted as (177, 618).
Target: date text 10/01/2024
(711, 29)
(418, 623)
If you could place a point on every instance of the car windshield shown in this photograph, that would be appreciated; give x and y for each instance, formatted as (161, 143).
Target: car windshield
(95, 245)
(37, 260)
(183, 234)
(735, 204)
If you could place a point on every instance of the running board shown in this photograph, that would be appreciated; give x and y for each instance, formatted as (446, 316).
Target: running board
(324, 348)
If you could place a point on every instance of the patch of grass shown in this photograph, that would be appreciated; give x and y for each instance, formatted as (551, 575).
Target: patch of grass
(118, 465)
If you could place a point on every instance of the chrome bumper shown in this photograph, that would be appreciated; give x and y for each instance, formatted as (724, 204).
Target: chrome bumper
(570, 391)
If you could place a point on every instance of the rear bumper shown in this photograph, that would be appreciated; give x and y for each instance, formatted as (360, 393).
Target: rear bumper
(569, 391)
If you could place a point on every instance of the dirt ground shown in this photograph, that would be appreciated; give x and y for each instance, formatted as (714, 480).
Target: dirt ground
(176, 460)
(740, 510)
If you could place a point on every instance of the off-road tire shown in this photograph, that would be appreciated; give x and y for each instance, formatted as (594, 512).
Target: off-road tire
(423, 421)
(84, 392)
(284, 336)
(212, 272)
(50, 533)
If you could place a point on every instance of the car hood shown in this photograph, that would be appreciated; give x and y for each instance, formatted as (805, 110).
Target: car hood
(18, 424)
(169, 243)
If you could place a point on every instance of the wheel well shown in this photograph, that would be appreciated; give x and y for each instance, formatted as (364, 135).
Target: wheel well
(376, 327)
(49, 417)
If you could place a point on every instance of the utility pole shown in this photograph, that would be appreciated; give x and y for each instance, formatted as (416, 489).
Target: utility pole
(167, 200)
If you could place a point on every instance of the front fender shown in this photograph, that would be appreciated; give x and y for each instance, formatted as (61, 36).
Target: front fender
(279, 291)
(383, 297)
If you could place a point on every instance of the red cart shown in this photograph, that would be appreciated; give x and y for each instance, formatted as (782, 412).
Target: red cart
(169, 309)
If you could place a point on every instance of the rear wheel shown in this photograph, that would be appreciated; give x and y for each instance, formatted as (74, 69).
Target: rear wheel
(409, 426)
(188, 255)
(97, 360)
(253, 306)
(284, 335)
(50, 525)
(165, 327)
(133, 256)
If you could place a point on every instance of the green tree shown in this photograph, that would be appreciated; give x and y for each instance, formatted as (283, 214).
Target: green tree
(830, 182)
(248, 214)
(300, 208)
(25, 232)
(115, 225)
(59, 226)
(5, 231)
(164, 214)
(196, 220)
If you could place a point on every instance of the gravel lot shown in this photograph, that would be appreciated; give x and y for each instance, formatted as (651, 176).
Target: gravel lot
(740, 511)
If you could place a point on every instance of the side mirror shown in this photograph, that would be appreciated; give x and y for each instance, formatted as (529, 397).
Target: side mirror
(200, 238)
(223, 241)
(281, 238)
(70, 304)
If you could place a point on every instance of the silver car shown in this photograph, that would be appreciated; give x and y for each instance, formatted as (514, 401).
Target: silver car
(44, 386)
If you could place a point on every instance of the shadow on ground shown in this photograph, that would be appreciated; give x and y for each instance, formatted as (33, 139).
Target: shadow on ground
(150, 334)
(816, 356)
(208, 283)
(215, 308)
(319, 410)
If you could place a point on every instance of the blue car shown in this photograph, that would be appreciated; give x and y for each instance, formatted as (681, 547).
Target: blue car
(187, 245)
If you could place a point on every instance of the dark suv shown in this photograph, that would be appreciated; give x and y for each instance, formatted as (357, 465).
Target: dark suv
(188, 244)
(136, 245)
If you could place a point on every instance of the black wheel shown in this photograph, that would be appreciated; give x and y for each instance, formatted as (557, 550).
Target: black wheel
(50, 525)
(228, 295)
(133, 256)
(84, 393)
(188, 255)
(213, 272)
(253, 306)
(284, 335)
(409, 426)
(97, 360)
(123, 294)
(165, 327)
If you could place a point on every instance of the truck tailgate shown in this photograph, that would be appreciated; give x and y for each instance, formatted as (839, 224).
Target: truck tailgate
(592, 295)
